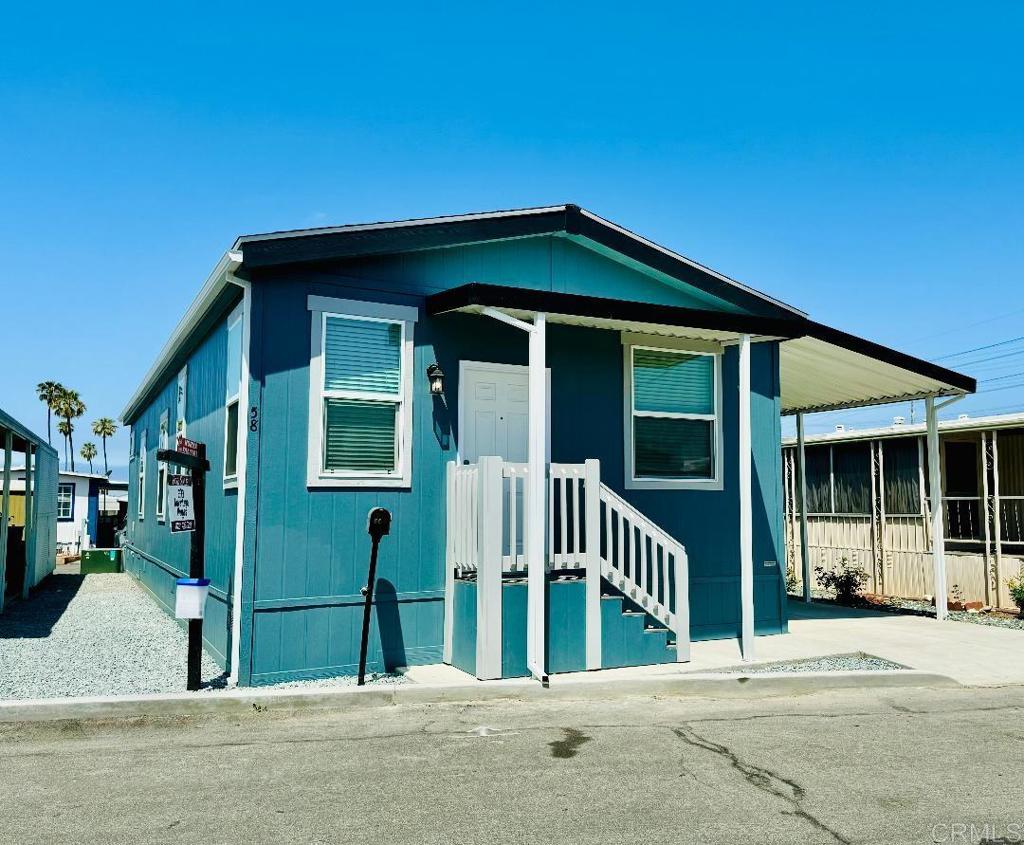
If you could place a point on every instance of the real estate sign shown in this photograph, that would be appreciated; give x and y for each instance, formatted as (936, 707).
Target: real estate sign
(179, 496)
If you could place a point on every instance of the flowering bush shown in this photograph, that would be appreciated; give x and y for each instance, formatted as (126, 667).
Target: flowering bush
(845, 580)
(1016, 585)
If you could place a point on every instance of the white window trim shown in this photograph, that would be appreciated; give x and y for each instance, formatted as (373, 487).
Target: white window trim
(142, 474)
(632, 341)
(163, 437)
(231, 481)
(71, 500)
(320, 308)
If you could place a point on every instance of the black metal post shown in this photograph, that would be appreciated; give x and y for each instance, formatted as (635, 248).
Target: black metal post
(378, 525)
(197, 569)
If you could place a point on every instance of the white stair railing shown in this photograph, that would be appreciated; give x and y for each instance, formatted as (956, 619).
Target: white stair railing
(647, 565)
(590, 528)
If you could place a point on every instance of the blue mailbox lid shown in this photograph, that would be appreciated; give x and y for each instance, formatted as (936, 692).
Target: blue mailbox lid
(193, 582)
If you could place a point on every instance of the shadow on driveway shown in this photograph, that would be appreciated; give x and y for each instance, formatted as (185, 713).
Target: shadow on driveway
(36, 617)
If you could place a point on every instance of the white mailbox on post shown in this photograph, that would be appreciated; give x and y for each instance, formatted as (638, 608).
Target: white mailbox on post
(190, 597)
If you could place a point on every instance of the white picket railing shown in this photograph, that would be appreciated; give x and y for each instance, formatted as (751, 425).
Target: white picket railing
(645, 563)
(590, 528)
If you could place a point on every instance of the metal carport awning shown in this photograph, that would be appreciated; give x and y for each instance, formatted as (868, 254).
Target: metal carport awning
(822, 369)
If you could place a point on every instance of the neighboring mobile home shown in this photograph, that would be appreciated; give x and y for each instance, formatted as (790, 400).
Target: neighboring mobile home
(83, 508)
(868, 503)
(576, 430)
(28, 545)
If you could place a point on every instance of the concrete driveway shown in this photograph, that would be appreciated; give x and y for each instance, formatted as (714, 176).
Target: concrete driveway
(971, 654)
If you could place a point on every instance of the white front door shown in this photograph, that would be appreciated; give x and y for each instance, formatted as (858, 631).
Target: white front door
(494, 411)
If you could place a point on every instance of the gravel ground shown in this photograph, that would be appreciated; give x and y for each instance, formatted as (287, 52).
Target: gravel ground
(92, 635)
(855, 662)
(920, 608)
(374, 679)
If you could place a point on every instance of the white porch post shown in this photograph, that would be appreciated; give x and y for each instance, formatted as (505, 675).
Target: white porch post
(592, 486)
(8, 447)
(938, 528)
(805, 553)
(746, 515)
(536, 533)
(488, 573)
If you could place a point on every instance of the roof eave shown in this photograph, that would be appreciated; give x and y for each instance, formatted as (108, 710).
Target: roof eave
(208, 293)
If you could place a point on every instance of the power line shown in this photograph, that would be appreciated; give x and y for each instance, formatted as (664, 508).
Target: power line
(990, 358)
(1001, 378)
(963, 326)
(978, 348)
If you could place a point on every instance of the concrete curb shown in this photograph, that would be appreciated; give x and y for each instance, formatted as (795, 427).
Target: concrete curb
(246, 701)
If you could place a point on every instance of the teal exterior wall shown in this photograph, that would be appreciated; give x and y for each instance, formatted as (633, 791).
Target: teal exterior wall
(306, 550)
(154, 555)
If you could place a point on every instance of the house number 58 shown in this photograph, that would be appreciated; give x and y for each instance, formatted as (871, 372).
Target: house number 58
(254, 418)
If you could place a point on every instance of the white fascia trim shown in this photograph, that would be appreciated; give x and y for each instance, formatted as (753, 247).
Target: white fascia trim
(215, 283)
(239, 479)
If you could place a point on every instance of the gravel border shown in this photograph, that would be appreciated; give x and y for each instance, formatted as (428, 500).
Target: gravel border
(375, 679)
(857, 661)
(916, 607)
(93, 635)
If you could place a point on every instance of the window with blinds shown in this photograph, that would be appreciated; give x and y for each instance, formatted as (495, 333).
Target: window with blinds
(673, 414)
(363, 392)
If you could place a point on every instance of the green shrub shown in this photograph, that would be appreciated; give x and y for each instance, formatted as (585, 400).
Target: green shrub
(845, 580)
(1016, 585)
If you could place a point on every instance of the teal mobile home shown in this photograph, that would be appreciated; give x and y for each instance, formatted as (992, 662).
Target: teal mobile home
(576, 430)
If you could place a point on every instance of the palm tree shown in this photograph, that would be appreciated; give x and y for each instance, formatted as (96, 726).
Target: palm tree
(70, 406)
(49, 392)
(104, 427)
(64, 427)
(88, 453)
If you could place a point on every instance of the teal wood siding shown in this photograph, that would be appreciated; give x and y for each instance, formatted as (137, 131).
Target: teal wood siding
(309, 546)
(155, 556)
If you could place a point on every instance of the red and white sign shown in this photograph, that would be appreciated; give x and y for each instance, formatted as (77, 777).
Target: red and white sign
(188, 447)
(179, 500)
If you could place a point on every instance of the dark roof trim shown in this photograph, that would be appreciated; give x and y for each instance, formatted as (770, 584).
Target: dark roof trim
(571, 304)
(585, 224)
(314, 245)
(525, 299)
(402, 236)
(891, 356)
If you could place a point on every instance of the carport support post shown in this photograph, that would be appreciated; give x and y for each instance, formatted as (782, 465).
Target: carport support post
(805, 552)
(746, 510)
(29, 536)
(938, 529)
(8, 448)
(537, 507)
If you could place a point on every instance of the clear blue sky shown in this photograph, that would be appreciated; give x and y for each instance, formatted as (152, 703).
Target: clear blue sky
(862, 161)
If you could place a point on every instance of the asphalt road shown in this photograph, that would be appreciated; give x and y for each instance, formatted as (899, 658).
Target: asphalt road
(889, 766)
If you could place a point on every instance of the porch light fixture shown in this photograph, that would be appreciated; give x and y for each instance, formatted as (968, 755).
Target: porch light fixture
(436, 377)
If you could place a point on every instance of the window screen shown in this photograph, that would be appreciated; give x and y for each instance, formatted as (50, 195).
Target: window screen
(819, 484)
(900, 464)
(851, 466)
(961, 468)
